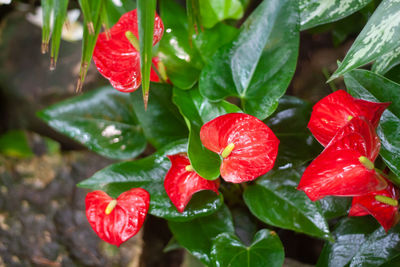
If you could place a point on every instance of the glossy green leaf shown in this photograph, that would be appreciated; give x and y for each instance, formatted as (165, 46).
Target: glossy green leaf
(198, 110)
(47, 9)
(60, 13)
(289, 123)
(259, 63)
(275, 200)
(245, 224)
(349, 236)
(148, 173)
(380, 36)
(161, 122)
(103, 120)
(181, 60)
(208, 41)
(14, 143)
(146, 10)
(317, 12)
(386, 62)
(265, 250)
(214, 11)
(197, 235)
(91, 11)
(373, 87)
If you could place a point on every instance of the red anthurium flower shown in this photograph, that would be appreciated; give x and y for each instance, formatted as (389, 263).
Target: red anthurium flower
(335, 110)
(181, 181)
(117, 220)
(115, 54)
(383, 205)
(248, 146)
(345, 167)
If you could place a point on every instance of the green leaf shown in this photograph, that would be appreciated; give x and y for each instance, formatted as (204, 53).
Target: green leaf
(379, 248)
(386, 62)
(162, 122)
(379, 36)
(47, 9)
(197, 235)
(146, 10)
(103, 120)
(334, 207)
(373, 87)
(214, 11)
(289, 123)
(14, 143)
(275, 200)
(314, 13)
(349, 236)
(114, 11)
(60, 13)
(197, 111)
(265, 250)
(182, 62)
(208, 41)
(91, 11)
(148, 173)
(259, 63)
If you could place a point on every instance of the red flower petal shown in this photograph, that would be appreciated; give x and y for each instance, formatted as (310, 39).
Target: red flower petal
(386, 215)
(358, 134)
(125, 219)
(333, 112)
(339, 170)
(116, 58)
(255, 145)
(181, 184)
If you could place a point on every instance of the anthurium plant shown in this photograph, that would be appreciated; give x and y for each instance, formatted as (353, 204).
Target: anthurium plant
(202, 85)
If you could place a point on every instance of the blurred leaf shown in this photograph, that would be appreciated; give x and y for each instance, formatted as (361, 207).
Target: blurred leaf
(245, 224)
(379, 36)
(197, 235)
(349, 236)
(14, 143)
(198, 110)
(194, 17)
(91, 11)
(334, 207)
(275, 200)
(146, 13)
(60, 14)
(386, 62)
(208, 41)
(373, 87)
(315, 13)
(103, 120)
(181, 60)
(259, 63)
(289, 123)
(114, 12)
(214, 11)
(47, 9)
(162, 122)
(265, 250)
(148, 173)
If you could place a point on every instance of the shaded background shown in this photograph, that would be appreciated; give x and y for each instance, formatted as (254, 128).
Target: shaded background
(42, 216)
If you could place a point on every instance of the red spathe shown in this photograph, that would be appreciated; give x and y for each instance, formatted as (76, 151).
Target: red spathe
(255, 145)
(124, 221)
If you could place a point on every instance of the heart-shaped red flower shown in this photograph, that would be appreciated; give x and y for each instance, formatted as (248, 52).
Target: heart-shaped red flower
(117, 220)
(383, 205)
(117, 59)
(333, 111)
(248, 146)
(181, 181)
(345, 167)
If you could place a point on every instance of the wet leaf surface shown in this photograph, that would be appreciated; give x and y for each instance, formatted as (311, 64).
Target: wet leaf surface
(103, 120)
(148, 173)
